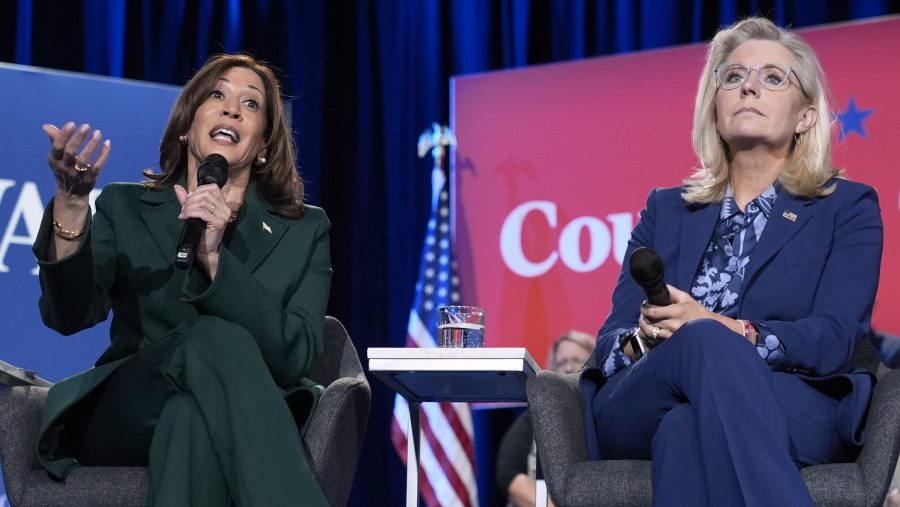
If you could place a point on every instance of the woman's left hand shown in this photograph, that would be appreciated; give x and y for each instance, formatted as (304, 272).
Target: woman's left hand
(207, 203)
(669, 319)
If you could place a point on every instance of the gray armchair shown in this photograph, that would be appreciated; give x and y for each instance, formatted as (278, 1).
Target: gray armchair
(333, 437)
(572, 480)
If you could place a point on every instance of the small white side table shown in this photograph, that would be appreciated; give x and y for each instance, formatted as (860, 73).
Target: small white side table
(491, 374)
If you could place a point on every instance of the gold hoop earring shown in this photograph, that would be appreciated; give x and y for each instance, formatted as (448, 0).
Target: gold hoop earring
(798, 138)
(260, 161)
(183, 140)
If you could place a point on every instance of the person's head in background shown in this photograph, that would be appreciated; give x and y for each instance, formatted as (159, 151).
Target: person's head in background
(570, 351)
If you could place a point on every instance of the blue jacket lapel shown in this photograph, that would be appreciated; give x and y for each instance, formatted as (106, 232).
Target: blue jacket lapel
(788, 216)
(696, 230)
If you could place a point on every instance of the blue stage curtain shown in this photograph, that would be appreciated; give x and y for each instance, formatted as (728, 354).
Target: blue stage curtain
(366, 77)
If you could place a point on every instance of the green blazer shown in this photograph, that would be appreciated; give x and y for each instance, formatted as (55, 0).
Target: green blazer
(274, 279)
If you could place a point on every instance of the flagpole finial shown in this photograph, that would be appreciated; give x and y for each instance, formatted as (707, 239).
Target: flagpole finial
(436, 139)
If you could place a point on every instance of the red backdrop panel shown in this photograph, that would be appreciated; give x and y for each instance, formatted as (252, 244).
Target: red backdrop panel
(554, 162)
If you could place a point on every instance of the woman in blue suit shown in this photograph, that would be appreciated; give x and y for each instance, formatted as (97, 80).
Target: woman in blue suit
(772, 261)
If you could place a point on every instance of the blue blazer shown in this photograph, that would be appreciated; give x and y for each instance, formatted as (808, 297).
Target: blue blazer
(811, 279)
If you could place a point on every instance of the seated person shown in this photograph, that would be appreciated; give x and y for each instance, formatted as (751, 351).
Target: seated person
(200, 360)
(772, 259)
(516, 459)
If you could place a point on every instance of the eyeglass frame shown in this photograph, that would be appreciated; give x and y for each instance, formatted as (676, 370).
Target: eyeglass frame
(577, 361)
(787, 76)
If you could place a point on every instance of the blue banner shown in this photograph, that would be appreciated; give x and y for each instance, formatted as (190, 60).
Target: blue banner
(132, 115)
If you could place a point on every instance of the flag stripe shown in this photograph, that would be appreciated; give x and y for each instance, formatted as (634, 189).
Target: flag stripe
(427, 492)
(440, 449)
(398, 430)
(417, 334)
(434, 465)
(456, 425)
(456, 454)
(434, 479)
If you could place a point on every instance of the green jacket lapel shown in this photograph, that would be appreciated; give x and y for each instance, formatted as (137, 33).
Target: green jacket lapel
(161, 218)
(257, 230)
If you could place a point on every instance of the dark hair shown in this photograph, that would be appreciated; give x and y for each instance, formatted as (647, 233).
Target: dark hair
(278, 180)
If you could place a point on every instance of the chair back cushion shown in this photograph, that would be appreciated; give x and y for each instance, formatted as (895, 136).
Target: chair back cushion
(339, 358)
(337, 427)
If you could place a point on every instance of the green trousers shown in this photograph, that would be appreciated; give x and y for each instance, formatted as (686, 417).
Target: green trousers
(200, 408)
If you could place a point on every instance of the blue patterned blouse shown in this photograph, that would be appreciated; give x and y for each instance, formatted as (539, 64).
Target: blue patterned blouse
(721, 274)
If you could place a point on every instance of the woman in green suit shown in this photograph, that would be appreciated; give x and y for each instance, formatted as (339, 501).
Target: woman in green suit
(194, 381)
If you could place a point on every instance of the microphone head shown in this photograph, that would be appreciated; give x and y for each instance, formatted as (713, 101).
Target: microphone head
(213, 169)
(646, 266)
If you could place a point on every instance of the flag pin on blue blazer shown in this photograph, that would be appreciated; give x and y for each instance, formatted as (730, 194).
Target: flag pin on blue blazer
(790, 216)
(266, 228)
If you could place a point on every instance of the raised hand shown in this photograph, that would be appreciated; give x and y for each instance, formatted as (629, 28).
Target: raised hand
(206, 202)
(74, 166)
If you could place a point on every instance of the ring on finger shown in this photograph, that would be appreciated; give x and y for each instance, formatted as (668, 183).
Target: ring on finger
(212, 208)
(81, 167)
(656, 331)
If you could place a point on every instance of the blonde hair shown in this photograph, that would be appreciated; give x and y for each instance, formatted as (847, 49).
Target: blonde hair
(580, 338)
(808, 168)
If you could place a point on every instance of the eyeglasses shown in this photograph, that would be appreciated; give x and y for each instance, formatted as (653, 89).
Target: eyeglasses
(772, 77)
(574, 362)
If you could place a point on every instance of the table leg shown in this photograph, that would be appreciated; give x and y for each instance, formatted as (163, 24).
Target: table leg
(413, 432)
(540, 493)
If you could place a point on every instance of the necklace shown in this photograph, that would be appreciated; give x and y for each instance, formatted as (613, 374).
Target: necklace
(235, 214)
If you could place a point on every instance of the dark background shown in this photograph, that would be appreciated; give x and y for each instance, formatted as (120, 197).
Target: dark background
(365, 79)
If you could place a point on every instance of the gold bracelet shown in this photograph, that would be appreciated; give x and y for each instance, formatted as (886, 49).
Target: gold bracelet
(66, 234)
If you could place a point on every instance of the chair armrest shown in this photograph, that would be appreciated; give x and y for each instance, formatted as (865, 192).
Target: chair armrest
(302, 401)
(878, 457)
(335, 433)
(558, 419)
(20, 419)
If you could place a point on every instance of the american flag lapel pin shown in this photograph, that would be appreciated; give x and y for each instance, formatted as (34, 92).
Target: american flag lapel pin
(790, 216)
(266, 228)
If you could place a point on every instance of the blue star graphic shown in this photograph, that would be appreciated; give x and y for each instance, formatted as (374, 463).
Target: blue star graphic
(852, 120)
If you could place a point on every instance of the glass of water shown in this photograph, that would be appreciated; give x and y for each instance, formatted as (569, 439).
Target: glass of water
(461, 326)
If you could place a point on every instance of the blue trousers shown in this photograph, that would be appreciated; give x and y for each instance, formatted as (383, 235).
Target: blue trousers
(721, 428)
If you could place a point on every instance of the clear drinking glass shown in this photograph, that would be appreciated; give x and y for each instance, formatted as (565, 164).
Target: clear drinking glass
(461, 326)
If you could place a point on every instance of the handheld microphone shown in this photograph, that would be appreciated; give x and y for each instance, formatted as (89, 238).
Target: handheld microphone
(213, 169)
(648, 271)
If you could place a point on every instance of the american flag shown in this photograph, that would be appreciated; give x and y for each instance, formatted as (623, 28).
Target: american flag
(447, 464)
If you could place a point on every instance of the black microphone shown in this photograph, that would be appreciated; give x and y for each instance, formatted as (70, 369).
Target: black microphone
(213, 169)
(648, 271)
